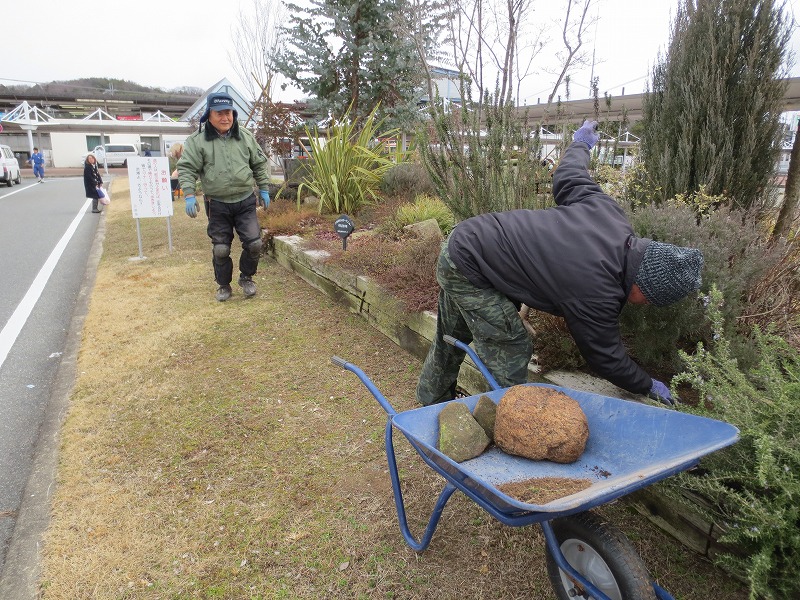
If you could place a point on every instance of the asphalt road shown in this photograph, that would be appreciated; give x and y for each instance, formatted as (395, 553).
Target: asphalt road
(48, 254)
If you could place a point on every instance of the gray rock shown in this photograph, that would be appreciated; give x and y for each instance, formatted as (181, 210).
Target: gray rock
(485, 413)
(425, 229)
(460, 436)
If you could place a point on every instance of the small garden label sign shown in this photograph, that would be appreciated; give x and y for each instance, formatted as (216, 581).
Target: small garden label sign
(344, 227)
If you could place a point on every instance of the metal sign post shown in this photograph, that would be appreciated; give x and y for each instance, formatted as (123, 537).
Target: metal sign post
(151, 194)
(344, 226)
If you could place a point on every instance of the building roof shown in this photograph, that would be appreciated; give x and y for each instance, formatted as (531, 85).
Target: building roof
(93, 118)
(197, 109)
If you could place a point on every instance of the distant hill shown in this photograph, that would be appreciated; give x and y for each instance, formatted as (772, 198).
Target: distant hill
(99, 87)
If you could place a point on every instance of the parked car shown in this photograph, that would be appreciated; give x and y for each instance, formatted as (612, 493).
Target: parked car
(10, 173)
(114, 154)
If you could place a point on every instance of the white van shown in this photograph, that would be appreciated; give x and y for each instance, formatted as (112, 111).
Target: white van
(115, 154)
(10, 173)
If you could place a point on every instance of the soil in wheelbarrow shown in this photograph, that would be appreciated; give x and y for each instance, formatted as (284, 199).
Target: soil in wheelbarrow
(541, 490)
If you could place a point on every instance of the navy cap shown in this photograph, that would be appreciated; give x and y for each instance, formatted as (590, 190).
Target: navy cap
(218, 101)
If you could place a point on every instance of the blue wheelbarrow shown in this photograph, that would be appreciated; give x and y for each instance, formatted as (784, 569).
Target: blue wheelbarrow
(630, 446)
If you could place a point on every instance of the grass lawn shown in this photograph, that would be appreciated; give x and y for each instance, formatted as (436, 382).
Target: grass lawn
(213, 451)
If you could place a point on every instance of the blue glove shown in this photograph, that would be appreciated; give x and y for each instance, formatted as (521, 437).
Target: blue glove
(264, 199)
(660, 392)
(191, 206)
(587, 134)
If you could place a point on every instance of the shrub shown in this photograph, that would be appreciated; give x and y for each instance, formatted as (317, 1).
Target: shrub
(484, 159)
(749, 271)
(407, 179)
(347, 169)
(753, 486)
(406, 269)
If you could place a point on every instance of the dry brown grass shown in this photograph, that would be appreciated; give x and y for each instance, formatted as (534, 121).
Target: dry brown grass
(212, 451)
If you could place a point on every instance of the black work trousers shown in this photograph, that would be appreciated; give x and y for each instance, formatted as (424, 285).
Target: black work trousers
(223, 219)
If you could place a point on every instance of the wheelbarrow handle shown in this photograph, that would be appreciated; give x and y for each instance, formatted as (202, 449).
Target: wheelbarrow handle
(340, 362)
(474, 356)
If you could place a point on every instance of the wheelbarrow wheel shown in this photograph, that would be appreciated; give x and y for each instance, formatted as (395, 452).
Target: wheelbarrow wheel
(603, 555)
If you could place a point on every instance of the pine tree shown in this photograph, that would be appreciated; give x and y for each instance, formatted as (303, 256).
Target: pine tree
(712, 116)
(351, 54)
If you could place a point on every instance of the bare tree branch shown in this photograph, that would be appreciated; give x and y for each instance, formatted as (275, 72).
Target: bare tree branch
(573, 46)
(255, 43)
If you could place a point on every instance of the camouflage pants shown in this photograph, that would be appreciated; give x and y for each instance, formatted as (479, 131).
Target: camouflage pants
(471, 314)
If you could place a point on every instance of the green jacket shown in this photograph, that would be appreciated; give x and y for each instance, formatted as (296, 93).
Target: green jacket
(228, 167)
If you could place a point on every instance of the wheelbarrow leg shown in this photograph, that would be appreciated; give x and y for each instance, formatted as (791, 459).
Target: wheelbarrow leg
(444, 496)
(474, 356)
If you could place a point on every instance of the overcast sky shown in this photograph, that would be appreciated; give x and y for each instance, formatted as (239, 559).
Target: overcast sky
(177, 43)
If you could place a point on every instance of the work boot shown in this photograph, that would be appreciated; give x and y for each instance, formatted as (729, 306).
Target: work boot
(223, 293)
(248, 287)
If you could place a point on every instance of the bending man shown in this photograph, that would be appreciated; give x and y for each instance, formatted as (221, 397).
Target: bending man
(579, 260)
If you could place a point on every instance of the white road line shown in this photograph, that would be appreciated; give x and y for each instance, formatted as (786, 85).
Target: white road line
(18, 190)
(15, 324)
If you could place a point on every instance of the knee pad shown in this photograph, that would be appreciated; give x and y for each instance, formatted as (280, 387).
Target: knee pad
(254, 248)
(221, 252)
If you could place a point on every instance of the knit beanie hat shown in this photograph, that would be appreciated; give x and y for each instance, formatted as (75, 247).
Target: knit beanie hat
(668, 273)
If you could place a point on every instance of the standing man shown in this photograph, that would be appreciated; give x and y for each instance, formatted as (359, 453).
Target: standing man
(579, 260)
(231, 165)
(37, 159)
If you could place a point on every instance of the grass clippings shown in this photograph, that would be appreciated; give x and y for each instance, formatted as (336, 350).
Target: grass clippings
(541, 490)
(212, 450)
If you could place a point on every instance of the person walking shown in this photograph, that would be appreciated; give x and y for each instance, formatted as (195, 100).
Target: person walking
(37, 159)
(92, 181)
(579, 260)
(230, 165)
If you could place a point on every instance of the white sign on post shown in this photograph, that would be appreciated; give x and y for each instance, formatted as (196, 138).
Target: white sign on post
(151, 194)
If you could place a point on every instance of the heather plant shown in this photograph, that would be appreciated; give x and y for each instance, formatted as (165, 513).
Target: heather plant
(752, 486)
(407, 179)
(349, 165)
(406, 269)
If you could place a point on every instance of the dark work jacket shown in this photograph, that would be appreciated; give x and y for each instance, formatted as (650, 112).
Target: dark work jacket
(577, 260)
(91, 179)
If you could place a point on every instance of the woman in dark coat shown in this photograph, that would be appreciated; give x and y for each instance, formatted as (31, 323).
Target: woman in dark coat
(92, 181)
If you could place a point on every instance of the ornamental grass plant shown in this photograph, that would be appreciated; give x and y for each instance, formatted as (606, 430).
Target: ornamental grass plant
(348, 165)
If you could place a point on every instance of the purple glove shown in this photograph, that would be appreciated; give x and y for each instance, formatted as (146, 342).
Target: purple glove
(660, 392)
(587, 134)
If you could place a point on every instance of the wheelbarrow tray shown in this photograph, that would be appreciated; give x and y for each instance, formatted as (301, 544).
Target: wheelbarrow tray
(630, 446)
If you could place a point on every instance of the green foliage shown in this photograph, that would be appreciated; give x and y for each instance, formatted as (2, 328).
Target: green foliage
(348, 53)
(483, 159)
(758, 279)
(407, 179)
(347, 168)
(712, 116)
(423, 208)
(753, 486)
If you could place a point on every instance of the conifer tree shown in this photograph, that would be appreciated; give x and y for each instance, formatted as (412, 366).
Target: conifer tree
(712, 116)
(353, 54)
